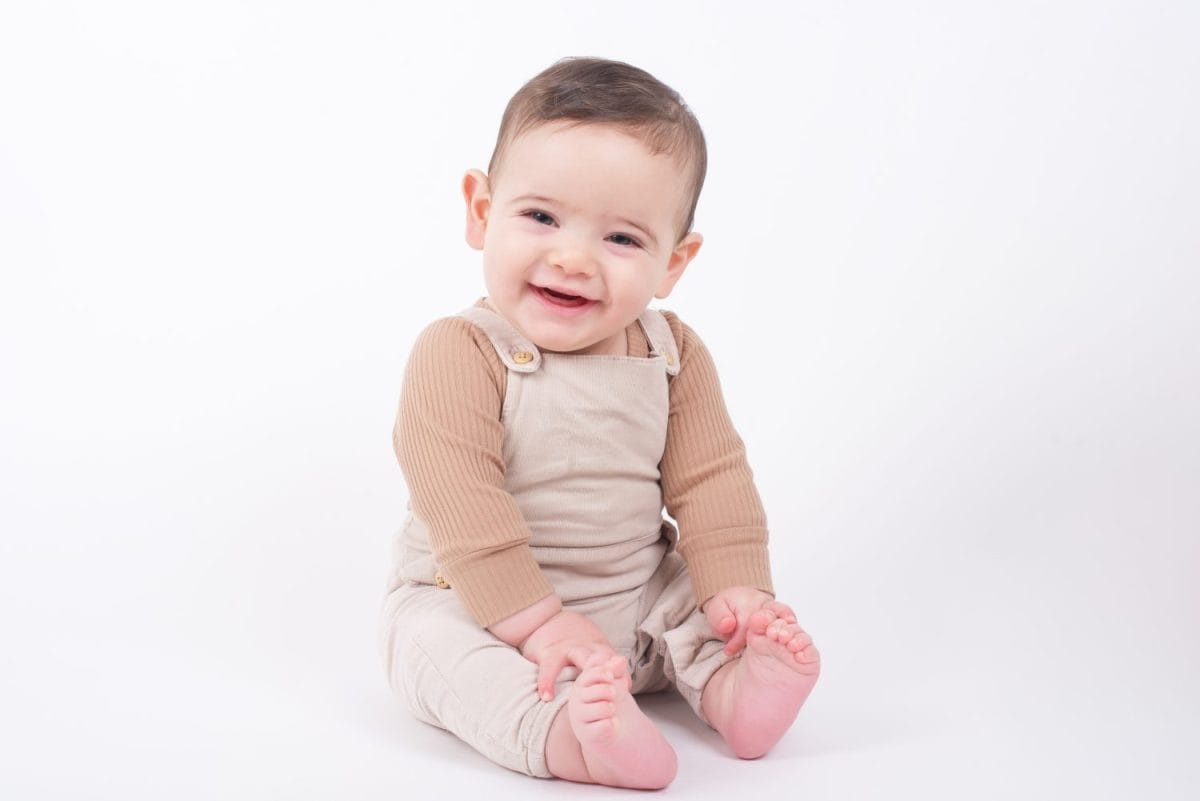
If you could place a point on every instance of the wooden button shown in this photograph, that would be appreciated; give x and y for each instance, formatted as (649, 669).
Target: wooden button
(440, 580)
(522, 357)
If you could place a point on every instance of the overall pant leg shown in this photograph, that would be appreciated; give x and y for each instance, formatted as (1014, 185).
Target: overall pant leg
(457, 676)
(675, 644)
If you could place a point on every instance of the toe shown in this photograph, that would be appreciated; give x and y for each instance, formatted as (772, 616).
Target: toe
(593, 676)
(600, 710)
(782, 610)
(596, 692)
(798, 641)
(808, 657)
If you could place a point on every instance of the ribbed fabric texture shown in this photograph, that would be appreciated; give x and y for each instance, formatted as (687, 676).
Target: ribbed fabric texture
(449, 441)
(707, 483)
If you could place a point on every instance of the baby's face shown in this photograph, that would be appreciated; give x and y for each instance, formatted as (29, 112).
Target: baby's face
(578, 234)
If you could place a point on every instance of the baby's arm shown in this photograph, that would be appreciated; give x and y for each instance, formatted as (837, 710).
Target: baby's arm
(708, 488)
(562, 639)
(519, 626)
(449, 441)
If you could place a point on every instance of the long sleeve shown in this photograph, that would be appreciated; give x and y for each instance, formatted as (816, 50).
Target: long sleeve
(448, 439)
(707, 483)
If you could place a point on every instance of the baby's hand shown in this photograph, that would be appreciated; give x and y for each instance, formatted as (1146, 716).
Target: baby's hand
(730, 610)
(568, 638)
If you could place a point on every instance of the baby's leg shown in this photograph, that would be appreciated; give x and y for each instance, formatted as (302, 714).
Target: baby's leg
(457, 676)
(753, 700)
(602, 737)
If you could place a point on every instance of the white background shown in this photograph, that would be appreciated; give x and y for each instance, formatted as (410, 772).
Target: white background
(949, 279)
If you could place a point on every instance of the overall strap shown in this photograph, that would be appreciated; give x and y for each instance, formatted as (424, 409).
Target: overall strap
(662, 341)
(517, 352)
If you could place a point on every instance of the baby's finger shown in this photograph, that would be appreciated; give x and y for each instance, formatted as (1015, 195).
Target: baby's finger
(721, 617)
(761, 619)
(586, 656)
(618, 666)
(619, 669)
(738, 641)
(548, 671)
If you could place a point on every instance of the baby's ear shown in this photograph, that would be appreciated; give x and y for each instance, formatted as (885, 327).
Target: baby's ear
(681, 256)
(478, 196)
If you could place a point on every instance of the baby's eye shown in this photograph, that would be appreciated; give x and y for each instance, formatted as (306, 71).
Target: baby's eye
(539, 216)
(626, 241)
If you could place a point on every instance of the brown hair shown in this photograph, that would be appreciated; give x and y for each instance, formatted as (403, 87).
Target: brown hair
(599, 91)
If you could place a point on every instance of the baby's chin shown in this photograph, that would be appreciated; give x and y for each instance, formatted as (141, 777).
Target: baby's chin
(558, 345)
(571, 345)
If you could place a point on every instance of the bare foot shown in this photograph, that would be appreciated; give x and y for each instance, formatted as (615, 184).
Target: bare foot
(620, 746)
(753, 700)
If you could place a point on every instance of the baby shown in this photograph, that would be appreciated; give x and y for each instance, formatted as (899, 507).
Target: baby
(538, 587)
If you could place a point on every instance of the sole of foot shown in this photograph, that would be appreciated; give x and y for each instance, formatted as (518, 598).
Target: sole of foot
(621, 746)
(768, 685)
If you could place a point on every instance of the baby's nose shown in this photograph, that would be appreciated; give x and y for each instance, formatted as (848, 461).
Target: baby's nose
(574, 259)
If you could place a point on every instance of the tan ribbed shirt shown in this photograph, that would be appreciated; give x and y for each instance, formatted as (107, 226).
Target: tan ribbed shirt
(449, 440)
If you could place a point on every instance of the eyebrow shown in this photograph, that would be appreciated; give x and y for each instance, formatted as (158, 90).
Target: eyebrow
(543, 199)
(538, 198)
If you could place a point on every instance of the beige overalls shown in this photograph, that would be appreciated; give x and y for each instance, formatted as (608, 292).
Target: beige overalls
(583, 438)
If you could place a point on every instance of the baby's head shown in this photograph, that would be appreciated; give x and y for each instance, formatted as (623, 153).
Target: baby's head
(586, 211)
(594, 91)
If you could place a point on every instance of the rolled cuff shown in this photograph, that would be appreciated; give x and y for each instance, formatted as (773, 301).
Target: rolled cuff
(496, 585)
(729, 558)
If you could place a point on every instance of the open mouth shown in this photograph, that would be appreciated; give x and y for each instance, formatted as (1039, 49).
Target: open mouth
(562, 298)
